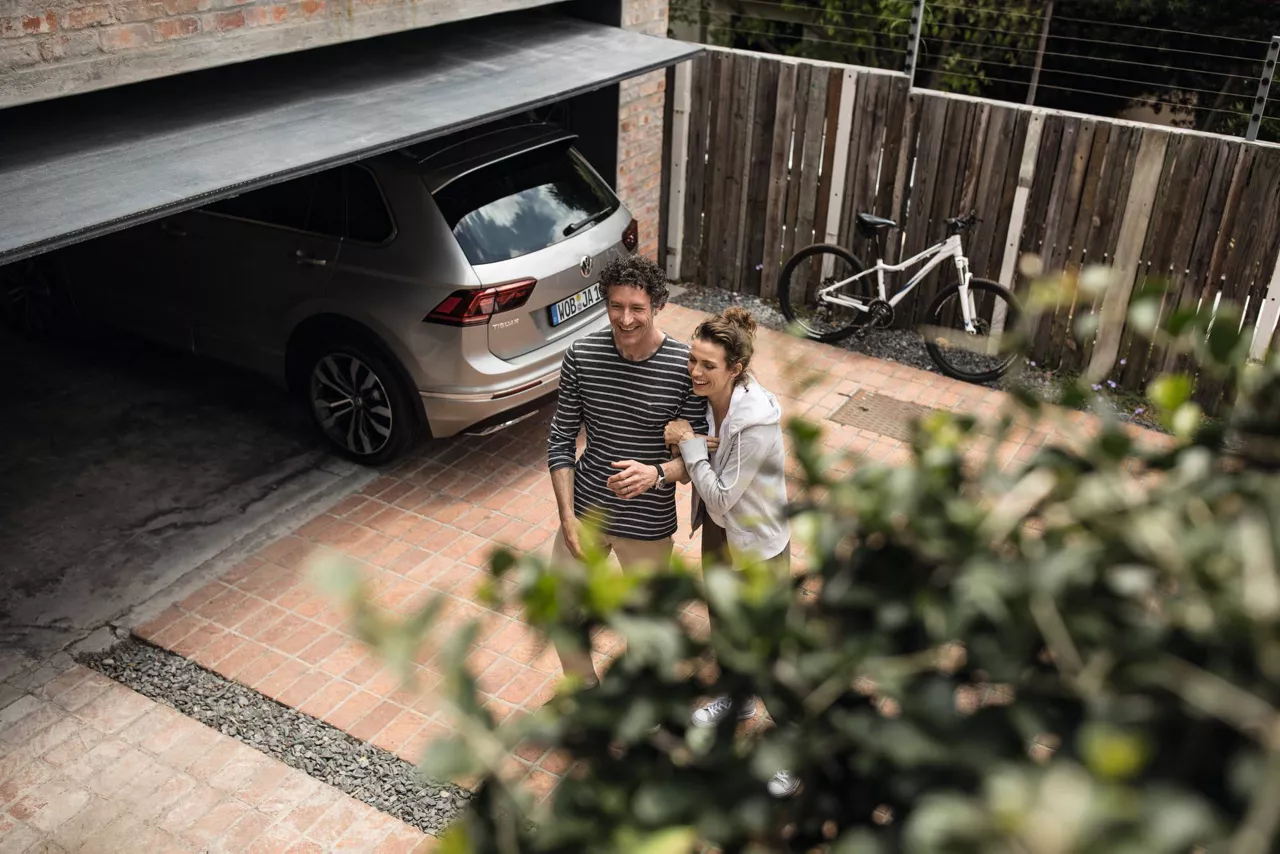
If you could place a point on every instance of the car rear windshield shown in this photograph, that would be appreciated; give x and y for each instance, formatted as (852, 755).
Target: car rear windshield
(524, 203)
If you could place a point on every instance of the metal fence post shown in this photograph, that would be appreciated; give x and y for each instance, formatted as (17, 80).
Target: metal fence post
(1264, 86)
(913, 47)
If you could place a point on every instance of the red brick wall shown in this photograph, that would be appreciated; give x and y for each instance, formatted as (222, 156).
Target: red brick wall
(641, 102)
(52, 48)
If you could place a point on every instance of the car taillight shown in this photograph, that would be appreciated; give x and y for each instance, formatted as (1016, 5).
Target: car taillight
(631, 237)
(473, 307)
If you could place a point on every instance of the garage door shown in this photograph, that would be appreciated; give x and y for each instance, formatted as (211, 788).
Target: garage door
(81, 167)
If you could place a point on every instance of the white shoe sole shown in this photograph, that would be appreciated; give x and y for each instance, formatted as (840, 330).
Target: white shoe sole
(744, 715)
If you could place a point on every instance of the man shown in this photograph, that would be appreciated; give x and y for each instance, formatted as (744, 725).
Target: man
(624, 383)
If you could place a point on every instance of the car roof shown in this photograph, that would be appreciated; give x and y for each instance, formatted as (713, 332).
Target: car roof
(443, 160)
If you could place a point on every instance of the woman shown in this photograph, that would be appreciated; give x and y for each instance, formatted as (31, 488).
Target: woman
(740, 491)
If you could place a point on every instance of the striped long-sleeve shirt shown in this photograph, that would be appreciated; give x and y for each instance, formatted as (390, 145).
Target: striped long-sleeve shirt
(625, 406)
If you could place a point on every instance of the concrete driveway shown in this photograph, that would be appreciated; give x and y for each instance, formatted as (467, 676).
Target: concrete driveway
(123, 466)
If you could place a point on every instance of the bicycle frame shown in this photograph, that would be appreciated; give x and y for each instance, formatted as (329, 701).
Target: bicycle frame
(950, 249)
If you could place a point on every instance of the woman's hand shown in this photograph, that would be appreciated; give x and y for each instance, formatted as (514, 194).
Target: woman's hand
(677, 431)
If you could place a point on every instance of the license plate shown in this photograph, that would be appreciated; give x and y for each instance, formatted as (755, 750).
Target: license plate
(575, 305)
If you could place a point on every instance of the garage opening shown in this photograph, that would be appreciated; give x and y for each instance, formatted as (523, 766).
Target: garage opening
(81, 167)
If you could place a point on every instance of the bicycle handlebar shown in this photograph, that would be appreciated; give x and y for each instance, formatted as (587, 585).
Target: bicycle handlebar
(957, 224)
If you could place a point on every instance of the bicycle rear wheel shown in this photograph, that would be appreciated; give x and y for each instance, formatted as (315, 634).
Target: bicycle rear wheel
(985, 354)
(809, 271)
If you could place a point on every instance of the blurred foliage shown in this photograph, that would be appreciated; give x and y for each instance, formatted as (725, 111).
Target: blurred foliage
(1076, 654)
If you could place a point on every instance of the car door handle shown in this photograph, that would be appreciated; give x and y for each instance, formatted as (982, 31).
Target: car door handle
(172, 230)
(303, 258)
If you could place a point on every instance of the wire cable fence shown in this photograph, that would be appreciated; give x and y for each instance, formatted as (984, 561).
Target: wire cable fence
(1078, 61)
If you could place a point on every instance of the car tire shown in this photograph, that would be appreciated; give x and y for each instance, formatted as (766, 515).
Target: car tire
(360, 403)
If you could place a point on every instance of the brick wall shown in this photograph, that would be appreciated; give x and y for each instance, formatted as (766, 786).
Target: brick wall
(640, 110)
(52, 48)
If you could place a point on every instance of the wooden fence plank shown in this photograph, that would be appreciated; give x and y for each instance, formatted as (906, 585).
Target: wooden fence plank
(933, 114)
(1199, 155)
(899, 135)
(860, 154)
(1270, 245)
(1042, 184)
(1045, 227)
(1065, 351)
(830, 141)
(1107, 236)
(815, 121)
(760, 183)
(804, 105)
(676, 167)
(775, 203)
(1066, 249)
(952, 164)
(908, 149)
(838, 187)
(695, 182)
(1137, 215)
(746, 72)
(1209, 387)
(992, 163)
(1011, 209)
(717, 166)
(1166, 216)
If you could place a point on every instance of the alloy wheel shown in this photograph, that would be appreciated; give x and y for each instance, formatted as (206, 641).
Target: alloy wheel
(351, 404)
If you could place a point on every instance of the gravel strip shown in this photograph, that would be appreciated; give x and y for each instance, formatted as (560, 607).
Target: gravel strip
(891, 345)
(367, 773)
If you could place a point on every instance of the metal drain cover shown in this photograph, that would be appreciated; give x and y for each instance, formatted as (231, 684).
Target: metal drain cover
(880, 414)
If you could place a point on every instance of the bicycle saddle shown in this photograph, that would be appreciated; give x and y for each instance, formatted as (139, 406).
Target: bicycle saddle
(870, 223)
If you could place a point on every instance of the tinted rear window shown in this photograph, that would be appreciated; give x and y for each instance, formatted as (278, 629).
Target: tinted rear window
(523, 204)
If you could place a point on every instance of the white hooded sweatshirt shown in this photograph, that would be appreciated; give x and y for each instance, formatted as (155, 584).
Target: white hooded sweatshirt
(744, 487)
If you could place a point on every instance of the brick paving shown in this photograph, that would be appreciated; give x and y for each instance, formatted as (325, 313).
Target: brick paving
(428, 526)
(87, 765)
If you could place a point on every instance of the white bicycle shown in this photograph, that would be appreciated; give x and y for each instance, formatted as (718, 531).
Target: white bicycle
(972, 329)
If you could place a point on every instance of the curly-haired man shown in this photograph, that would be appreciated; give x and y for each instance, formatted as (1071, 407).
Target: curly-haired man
(623, 384)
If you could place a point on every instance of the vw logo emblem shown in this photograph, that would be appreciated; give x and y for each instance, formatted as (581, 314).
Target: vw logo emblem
(585, 266)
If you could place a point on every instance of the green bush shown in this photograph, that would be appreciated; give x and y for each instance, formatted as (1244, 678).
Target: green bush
(1077, 655)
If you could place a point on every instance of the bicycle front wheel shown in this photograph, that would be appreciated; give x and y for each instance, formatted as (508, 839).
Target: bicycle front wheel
(810, 286)
(988, 350)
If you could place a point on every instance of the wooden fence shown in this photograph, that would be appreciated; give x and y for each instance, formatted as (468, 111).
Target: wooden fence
(772, 154)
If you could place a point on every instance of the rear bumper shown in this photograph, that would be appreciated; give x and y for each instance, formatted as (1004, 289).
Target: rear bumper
(449, 414)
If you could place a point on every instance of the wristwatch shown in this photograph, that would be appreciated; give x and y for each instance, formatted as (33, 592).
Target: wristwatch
(662, 478)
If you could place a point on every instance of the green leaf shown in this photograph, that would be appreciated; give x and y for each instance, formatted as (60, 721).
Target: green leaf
(724, 591)
(1225, 335)
(860, 840)
(1144, 314)
(654, 641)
(1187, 420)
(456, 840)
(1169, 391)
(1113, 753)
(338, 577)
(670, 840)
(1180, 321)
(1115, 443)
(501, 561)
(449, 759)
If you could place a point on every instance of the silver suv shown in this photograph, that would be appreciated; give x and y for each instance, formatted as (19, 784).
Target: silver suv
(437, 286)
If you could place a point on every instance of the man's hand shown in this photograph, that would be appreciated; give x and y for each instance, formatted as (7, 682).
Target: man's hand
(677, 431)
(571, 530)
(633, 479)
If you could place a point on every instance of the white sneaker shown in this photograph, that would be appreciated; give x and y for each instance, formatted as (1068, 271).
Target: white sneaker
(715, 711)
(783, 785)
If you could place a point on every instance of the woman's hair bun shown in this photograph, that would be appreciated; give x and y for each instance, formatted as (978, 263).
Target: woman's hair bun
(740, 318)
